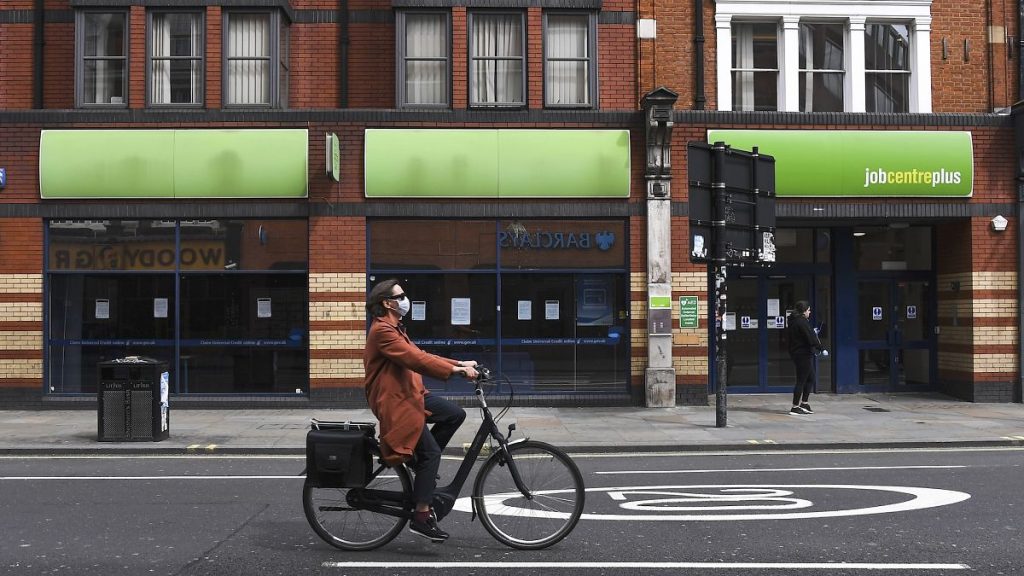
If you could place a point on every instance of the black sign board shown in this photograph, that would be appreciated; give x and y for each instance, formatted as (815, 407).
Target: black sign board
(732, 205)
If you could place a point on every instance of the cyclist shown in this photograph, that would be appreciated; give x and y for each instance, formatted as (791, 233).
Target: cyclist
(403, 406)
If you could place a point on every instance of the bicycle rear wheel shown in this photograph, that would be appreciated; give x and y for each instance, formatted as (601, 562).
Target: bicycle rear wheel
(334, 517)
(557, 492)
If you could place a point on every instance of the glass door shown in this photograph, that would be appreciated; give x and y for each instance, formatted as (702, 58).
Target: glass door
(895, 334)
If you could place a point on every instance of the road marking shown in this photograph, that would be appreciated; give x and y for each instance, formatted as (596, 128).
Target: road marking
(121, 478)
(631, 472)
(1013, 437)
(652, 565)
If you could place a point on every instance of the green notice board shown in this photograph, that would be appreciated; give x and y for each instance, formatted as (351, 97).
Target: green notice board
(688, 312)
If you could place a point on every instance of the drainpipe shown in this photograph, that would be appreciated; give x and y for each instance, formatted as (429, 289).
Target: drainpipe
(39, 41)
(343, 53)
(698, 54)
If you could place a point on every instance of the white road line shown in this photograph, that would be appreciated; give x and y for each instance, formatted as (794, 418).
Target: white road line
(652, 565)
(290, 477)
(824, 468)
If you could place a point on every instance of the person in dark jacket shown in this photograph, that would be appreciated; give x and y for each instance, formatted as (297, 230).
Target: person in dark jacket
(803, 346)
(403, 406)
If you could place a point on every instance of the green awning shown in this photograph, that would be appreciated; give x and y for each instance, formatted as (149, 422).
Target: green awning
(862, 163)
(497, 163)
(77, 164)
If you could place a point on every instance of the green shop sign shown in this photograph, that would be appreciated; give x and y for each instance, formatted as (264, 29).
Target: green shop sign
(862, 163)
(491, 163)
(76, 164)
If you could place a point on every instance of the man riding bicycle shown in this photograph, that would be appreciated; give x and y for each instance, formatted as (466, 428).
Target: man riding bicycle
(403, 406)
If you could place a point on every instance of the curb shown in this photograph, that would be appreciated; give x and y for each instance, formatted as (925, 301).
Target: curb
(572, 449)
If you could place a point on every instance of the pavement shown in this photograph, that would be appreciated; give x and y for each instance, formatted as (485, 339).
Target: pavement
(754, 422)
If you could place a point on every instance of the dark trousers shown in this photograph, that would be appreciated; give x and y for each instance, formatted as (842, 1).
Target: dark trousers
(805, 378)
(446, 418)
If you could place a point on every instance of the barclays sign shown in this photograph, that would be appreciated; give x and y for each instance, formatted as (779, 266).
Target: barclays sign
(602, 240)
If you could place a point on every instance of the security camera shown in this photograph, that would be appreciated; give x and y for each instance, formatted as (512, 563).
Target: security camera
(999, 223)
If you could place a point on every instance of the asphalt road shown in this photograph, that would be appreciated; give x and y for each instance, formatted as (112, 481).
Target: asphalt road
(884, 512)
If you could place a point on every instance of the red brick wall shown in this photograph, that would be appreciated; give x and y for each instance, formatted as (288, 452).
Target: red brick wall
(16, 65)
(21, 246)
(59, 70)
(314, 66)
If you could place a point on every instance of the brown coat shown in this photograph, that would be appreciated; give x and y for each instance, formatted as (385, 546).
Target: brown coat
(394, 388)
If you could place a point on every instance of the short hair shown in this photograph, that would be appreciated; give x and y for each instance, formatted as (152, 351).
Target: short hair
(801, 306)
(374, 302)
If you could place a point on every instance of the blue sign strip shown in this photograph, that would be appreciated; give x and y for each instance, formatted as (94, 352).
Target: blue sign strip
(456, 342)
(560, 341)
(253, 342)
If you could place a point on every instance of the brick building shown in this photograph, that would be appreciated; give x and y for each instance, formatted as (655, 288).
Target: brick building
(216, 184)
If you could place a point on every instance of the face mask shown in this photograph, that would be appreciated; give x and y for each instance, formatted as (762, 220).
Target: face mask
(403, 306)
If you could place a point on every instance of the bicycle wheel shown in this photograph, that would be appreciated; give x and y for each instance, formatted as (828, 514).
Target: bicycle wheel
(332, 516)
(555, 484)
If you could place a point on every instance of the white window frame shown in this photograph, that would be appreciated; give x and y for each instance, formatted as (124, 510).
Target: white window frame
(915, 13)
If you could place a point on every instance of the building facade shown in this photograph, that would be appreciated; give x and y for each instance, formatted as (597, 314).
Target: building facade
(217, 184)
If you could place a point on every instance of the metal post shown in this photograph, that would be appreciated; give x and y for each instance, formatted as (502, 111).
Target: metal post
(718, 220)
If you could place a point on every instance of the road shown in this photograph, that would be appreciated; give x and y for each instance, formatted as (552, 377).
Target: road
(844, 512)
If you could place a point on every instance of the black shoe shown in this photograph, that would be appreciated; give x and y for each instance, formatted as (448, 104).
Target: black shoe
(428, 529)
(807, 407)
(797, 410)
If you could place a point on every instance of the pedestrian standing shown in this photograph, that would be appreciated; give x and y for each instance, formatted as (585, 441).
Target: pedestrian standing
(803, 346)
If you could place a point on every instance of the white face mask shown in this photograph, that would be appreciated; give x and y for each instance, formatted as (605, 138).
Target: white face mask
(403, 306)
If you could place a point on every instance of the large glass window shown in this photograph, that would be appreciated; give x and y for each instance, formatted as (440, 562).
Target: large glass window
(255, 54)
(424, 59)
(892, 248)
(821, 67)
(176, 58)
(102, 62)
(755, 66)
(887, 67)
(223, 302)
(497, 73)
(542, 302)
(568, 59)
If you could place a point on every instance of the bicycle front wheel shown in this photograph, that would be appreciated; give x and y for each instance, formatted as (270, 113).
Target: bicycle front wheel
(555, 486)
(336, 516)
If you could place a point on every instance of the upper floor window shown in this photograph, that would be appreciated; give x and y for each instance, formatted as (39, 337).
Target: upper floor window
(822, 65)
(497, 55)
(102, 63)
(755, 66)
(176, 58)
(820, 56)
(887, 67)
(423, 52)
(569, 78)
(255, 59)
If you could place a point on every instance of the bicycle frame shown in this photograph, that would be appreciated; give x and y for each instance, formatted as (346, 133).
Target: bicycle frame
(394, 503)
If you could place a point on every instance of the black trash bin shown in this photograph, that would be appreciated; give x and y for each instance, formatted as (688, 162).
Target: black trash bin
(133, 402)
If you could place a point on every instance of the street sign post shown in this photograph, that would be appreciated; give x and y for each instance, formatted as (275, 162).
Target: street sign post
(732, 223)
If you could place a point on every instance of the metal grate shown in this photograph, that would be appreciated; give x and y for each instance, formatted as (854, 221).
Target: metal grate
(141, 415)
(113, 414)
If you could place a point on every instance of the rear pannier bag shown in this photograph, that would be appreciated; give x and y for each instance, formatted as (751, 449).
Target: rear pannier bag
(338, 455)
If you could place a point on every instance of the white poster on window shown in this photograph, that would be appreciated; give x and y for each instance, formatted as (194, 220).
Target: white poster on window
(773, 307)
(102, 309)
(460, 311)
(525, 310)
(263, 307)
(730, 321)
(159, 307)
(419, 310)
(551, 309)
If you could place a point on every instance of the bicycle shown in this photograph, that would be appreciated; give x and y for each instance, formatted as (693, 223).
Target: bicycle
(535, 505)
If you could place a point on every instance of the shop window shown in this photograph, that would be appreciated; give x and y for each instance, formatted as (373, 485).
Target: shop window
(255, 59)
(569, 78)
(497, 70)
(755, 66)
(176, 58)
(236, 288)
(892, 248)
(432, 245)
(102, 63)
(822, 63)
(424, 59)
(533, 244)
(887, 67)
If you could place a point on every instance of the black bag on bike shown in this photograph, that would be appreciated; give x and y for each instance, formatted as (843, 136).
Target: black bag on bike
(338, 454)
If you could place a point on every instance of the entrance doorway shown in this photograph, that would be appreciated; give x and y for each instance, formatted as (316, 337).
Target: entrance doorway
(895, 329)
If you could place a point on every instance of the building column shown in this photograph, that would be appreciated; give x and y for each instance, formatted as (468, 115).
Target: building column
(921, 68)
(855, 66)
(789, 81)
(723, 38)
(660, 376)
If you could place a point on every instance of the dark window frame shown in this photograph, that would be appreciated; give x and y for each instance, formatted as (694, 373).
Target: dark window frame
(524, 74)
(201, 58)
(401, 58)
(275, 27)
(592, 60)
(80, 59)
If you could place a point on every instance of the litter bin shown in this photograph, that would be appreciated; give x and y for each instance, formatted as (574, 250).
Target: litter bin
(133, 400)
